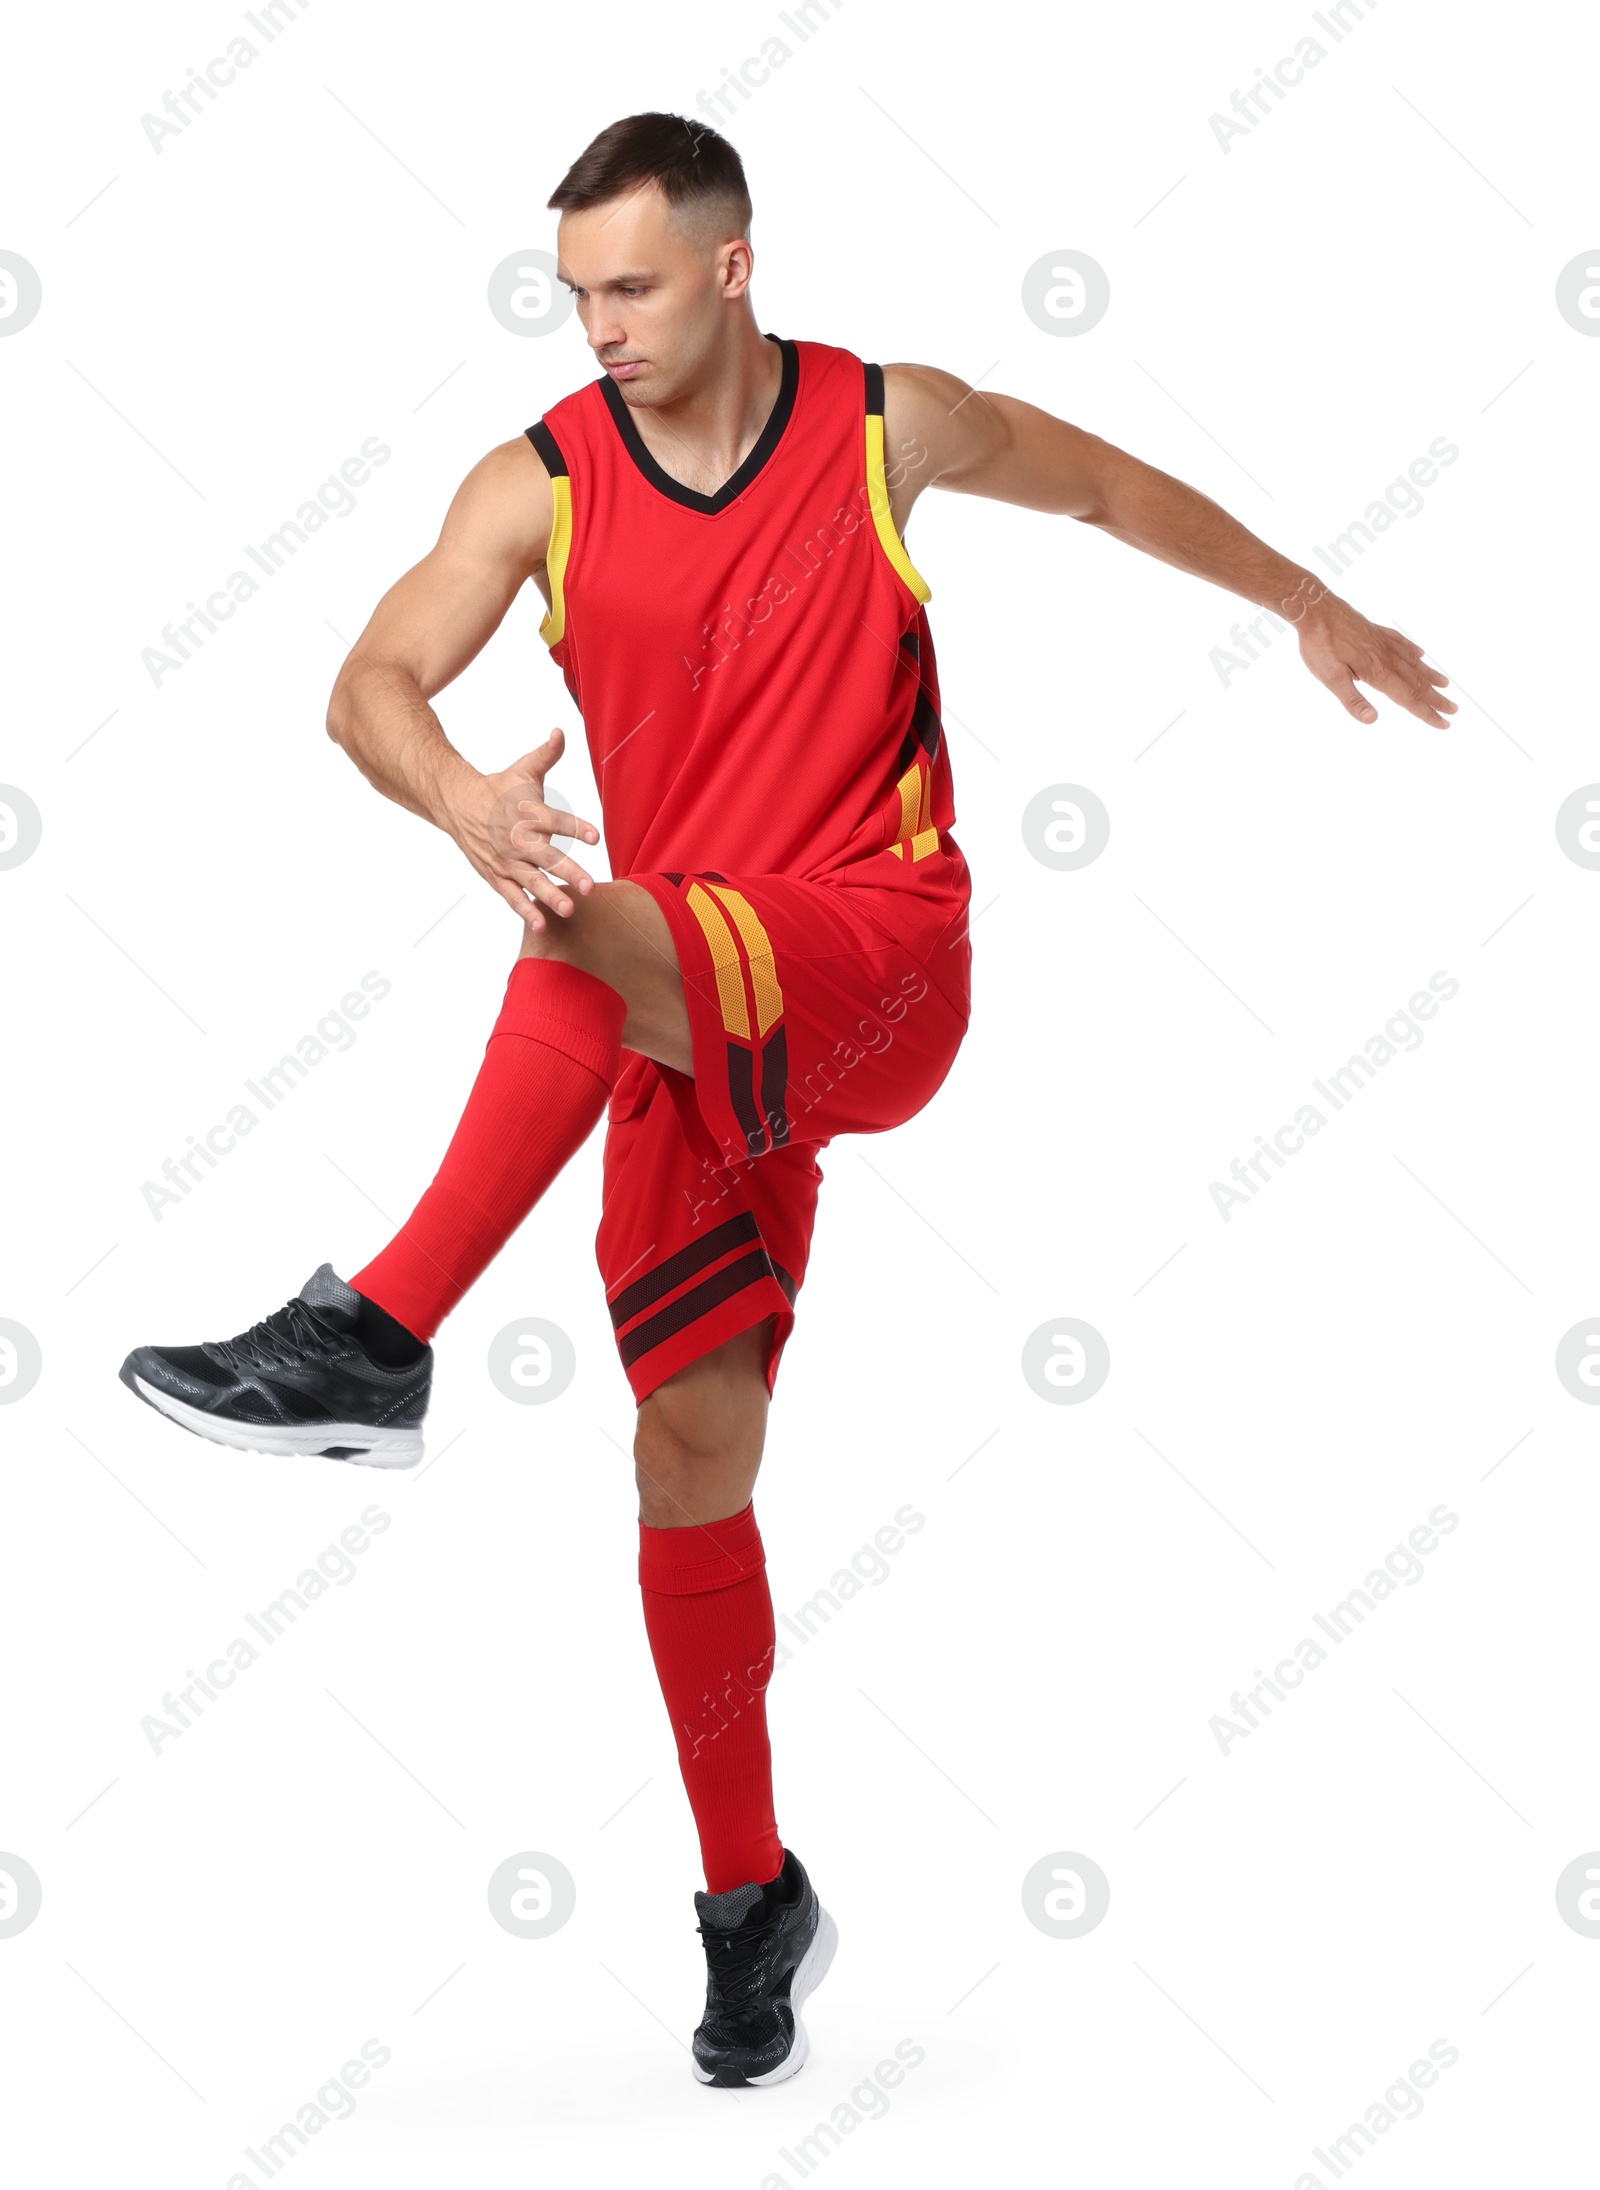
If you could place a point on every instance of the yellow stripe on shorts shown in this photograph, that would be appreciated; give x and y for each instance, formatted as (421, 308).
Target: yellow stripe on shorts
(758, 949)
(725, 960)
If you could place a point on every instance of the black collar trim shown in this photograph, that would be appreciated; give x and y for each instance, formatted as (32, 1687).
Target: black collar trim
(731, 489)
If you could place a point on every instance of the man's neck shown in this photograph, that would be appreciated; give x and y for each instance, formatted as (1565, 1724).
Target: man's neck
(703, 437)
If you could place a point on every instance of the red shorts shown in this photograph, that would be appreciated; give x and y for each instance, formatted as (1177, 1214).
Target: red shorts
(815, 1008)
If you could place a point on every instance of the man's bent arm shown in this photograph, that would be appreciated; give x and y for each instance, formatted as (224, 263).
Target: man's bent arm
(423, 633)
(431, 624)
(1010, 451)
(394, 737)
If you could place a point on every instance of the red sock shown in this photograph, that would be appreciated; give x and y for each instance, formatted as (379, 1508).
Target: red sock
(708, 1614)
(552, 1058)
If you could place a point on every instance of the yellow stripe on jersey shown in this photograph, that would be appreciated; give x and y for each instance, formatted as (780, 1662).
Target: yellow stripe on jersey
(758, 950)
(910, 789)
(555, 561)
(882, 518)
(724, 959)
(926, 839)
(916, 814)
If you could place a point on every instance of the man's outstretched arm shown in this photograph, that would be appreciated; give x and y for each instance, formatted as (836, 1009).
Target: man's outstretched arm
(942, 433)
(422, 634)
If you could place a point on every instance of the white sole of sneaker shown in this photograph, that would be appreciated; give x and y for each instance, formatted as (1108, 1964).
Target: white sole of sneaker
(374, 1448)
(813, 1966)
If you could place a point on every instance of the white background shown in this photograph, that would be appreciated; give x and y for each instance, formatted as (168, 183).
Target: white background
(224, 1924)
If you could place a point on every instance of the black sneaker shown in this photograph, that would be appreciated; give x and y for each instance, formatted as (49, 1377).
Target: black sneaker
(305, 1381)
(766, 1948)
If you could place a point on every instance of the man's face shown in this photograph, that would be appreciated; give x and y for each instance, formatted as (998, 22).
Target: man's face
(651, 295)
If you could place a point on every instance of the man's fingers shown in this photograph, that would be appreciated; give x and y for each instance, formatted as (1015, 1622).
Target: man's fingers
(530, 915)
(1424, 707)
(1411, 684)
(1413, 667)
(1409, 687)
(568, 870)
(525, 877)
(555, 823)
(1341, 684)
(541, 853)
(537, 883)
(523, 888)
(1427, 701)
(537, 760)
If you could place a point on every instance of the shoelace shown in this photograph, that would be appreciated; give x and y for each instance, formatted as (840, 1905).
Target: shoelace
(277, 1342)
(734, 1959)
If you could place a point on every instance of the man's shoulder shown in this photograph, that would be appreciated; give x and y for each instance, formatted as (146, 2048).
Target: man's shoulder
(571, 410)
(928, 403)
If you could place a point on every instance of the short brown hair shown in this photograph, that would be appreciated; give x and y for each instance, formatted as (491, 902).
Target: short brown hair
(698, 170)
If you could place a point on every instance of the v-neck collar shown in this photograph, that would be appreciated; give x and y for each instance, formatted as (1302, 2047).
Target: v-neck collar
(730, 490)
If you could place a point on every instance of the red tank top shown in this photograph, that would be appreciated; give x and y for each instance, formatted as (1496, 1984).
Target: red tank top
(754, 667)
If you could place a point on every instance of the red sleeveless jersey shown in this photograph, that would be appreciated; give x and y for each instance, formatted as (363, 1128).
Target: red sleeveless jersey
(754, 667)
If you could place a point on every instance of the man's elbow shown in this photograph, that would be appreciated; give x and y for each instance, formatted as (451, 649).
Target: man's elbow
(341, 708)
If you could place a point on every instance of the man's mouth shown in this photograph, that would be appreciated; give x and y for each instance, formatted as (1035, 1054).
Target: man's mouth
(624, 368)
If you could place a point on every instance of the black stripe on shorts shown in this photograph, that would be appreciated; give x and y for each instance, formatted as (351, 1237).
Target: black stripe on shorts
(775, 1085)
(710, 1293)
(720, 1240)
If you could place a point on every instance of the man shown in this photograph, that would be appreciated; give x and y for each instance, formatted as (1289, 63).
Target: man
(716, 526)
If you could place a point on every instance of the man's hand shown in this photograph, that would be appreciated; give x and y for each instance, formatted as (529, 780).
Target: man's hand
(503, 825)
(1340, 648)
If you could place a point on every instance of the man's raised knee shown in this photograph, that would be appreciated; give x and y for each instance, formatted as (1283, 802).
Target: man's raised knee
(701, 1431)
(619, 933)
(572, 935)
